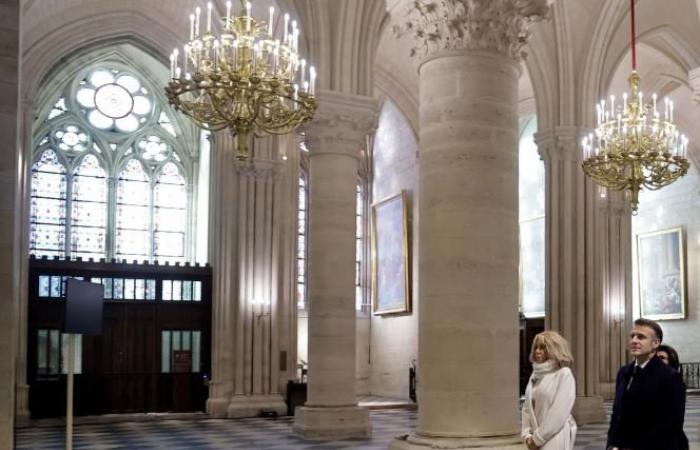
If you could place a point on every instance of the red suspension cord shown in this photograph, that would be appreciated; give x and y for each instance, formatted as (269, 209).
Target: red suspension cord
(634, 33)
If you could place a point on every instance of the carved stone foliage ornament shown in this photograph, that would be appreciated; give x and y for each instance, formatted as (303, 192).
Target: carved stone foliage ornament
(495, 25)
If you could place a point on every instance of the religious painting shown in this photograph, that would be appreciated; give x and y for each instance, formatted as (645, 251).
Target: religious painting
(390, 262)
(661, 271)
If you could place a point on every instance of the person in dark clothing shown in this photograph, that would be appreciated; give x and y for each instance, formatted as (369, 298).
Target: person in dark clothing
(649, 396)
(669, 356)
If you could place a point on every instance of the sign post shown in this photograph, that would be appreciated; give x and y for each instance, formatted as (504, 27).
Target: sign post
(84, 304)
(69, 398)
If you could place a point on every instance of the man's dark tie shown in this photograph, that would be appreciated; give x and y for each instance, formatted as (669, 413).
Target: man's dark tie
(635, 371)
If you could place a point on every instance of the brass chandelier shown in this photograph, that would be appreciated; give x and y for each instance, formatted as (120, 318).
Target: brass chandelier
(245, 79)
(634, 146)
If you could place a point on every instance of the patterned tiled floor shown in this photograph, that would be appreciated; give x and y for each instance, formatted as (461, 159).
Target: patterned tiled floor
(267, 434)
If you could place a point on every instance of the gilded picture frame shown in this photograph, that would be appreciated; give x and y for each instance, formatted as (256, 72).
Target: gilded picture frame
(391, 288)
(661, 274)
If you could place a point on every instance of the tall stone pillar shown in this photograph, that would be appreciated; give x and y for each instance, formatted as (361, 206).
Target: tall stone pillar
(334, 139)
(614, 231)
(573, 298)
(249, 306)
(10, 221)
(468, 215)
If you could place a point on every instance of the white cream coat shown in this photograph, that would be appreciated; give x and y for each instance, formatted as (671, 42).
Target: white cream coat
(546, 414)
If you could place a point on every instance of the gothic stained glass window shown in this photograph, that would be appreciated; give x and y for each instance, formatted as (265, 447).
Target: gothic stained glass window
(170, 201)
(48, 206)
(302, 231)
(108, 180)
(133, 213)
(359, 216)
(89, 209)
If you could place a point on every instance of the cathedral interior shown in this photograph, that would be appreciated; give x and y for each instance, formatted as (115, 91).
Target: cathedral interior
(380, 202)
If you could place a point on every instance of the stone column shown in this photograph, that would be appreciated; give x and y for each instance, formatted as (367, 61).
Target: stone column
(10, 221)
(614, 260)
(334, 139)
(468, 215)
(573, 273)
(247, 299)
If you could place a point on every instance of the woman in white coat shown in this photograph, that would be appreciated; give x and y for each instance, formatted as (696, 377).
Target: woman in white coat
(547, 423)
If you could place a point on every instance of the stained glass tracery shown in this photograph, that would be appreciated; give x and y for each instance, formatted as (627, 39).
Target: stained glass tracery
(133, 212)
(48, 206)
(92, 199)
(89, 209)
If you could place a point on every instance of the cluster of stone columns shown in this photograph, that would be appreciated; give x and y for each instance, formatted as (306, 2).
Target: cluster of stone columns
(251, 300)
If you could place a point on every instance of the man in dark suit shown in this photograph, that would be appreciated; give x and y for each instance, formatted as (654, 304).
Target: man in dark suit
(648, 408)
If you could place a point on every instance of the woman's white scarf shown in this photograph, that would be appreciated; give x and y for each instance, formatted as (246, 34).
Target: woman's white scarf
(539, 370)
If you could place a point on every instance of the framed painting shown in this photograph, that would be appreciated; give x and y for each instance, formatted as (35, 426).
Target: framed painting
(661, 269)
(391, 289)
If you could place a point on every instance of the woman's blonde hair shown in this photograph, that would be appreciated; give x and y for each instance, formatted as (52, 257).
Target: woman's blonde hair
(556, 347)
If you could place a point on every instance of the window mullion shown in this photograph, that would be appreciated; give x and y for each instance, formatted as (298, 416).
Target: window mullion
(110, 244)
(152, 214)
(67, 244)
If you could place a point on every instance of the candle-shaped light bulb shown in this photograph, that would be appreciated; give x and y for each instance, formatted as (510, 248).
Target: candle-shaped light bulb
(666, 108)
(286, 28)
(191, 27)
(209, 6)
(228, 15)
(303, 71)
(295, 42)
(305, 85)
(312, 75)
(612, 105)
(641, 103)
(177, 72)
(248, 7)
(186, 56)
(269, 24)
(172, 65)
(216, 54)
(670, 104)
(197, 12)
(624, 103)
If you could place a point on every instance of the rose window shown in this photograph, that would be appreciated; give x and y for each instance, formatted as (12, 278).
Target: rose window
(114, 101)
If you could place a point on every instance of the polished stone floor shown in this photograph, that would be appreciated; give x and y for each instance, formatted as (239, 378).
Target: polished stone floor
(267, 434)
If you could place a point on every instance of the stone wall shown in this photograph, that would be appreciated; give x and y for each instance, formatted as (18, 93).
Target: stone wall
(394, 338)
(677, 205)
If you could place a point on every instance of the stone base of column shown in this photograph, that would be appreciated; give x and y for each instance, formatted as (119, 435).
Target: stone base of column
(22, 414)
(318, 423)
(252, 405)
(589, 410)
(217, 407)
(415, 441)
(607, 391)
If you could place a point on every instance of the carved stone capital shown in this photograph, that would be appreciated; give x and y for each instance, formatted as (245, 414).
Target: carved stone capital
(694, 81)
(341, 124)
(439, 26)
(560, 144)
